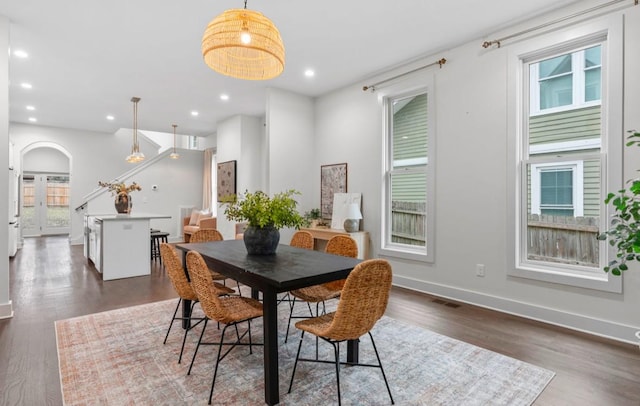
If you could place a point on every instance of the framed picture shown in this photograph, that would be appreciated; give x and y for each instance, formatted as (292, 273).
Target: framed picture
(333, 179)
(226, 177)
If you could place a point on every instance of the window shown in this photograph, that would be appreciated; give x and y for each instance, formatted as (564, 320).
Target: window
(567, 117)
(567, 81)
(557, 189)
(407, 228)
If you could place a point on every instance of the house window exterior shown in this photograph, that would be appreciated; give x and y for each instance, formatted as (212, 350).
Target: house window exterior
(407, 230)
(567, 123)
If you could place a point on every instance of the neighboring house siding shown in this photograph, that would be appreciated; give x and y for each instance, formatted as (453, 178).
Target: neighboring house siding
(570, 125)
(573, 125)
(410, 120)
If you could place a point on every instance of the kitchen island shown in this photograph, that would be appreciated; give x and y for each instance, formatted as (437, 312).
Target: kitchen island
(119, 245)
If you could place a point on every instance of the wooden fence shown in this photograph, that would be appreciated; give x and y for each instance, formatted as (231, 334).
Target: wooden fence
(408, 223)
(563, 239)
(57, 194)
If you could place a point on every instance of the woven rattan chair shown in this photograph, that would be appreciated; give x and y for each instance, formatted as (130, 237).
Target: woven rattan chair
(362, 303)
(181, 284)
(229, 310)
(206, 235)
(302, 239)
(338, 245)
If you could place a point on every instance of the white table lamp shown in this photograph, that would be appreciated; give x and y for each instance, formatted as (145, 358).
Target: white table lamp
(352, 218)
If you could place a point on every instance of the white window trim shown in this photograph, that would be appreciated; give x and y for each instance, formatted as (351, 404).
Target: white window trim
(387, 248)
(577, 168)
(577, 145)
(577, 86)
(566, 39)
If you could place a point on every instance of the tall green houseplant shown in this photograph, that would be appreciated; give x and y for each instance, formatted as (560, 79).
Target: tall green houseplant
(624, 233)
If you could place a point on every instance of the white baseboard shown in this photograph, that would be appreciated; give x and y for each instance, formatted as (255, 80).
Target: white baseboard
(6, 310)
(598, 327)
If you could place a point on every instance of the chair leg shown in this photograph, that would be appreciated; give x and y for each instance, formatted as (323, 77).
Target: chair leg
(218, 358)
(186, 330)
(293, 304)
(198, 345)
(381, 369)
(295, 364)
(173, 318)
(336, 350)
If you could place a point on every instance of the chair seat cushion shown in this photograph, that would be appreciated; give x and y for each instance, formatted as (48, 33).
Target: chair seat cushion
(191, 229)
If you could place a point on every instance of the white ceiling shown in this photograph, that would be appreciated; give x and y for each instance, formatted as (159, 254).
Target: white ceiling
(87, 58)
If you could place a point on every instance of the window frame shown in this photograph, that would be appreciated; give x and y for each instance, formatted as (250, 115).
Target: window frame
(419, 165)
(608, 30)
(578, 83)
(577, 177)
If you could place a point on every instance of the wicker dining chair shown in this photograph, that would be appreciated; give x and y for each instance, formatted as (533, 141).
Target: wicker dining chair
(206, 235)
(342, 245)
(229, 310)
(178, 278)
(302, 239)
(362, 303)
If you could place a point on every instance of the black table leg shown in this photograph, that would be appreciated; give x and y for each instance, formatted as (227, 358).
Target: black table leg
(186, 304)
(271, 379)
(352, 351)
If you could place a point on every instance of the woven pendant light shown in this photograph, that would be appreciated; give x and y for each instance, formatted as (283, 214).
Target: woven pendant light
(243, 44)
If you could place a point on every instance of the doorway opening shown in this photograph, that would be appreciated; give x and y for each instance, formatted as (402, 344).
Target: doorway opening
(45, 204)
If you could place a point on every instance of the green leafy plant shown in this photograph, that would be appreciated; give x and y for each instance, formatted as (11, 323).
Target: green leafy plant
(624, 233)
(260, 210)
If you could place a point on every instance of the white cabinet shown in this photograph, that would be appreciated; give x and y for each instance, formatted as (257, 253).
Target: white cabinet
(322, 235)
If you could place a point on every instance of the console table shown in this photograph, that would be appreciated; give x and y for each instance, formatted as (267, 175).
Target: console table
(322, 235)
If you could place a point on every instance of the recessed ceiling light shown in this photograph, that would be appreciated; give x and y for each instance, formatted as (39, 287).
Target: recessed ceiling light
(111, 118)
(194, 113)
(33, 119)
(224, 97)
(20, 53)
(26, 85)
(309, 73)
(30, 108)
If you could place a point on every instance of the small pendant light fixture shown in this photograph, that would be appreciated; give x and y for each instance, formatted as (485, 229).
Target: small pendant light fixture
(135, 156)
(174, 154)
(243, 44)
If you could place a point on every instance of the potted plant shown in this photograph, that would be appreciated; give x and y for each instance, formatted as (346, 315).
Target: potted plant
(313, 218)
(265, 216)
(624, 233)
(121, 192)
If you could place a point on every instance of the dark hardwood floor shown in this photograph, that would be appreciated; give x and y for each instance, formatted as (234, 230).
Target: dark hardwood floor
(51, 281)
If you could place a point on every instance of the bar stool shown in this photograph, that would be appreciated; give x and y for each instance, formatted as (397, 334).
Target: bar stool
(157, 238)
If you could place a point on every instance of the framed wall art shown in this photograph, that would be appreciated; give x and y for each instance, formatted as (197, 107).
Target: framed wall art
(226, 177)
(333, 179)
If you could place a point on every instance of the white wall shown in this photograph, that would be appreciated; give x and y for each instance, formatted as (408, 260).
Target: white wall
(291, 149)
(5, 303)
(46, 160)
(471, 191)
(241, 138)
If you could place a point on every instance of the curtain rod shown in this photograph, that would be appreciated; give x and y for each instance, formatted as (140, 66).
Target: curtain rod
(373, 86)
(487, 44)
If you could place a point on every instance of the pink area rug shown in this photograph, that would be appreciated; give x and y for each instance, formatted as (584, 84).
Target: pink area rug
(117, 358)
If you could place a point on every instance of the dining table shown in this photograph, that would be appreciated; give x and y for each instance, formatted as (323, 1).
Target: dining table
(288, 269)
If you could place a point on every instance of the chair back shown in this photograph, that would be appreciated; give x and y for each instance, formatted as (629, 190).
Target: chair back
(342, 245)
(202, 284)
(174, 268)
(302, 239)
(363, 300)
(205, 235)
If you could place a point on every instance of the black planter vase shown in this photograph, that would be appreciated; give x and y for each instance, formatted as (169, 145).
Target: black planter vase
(261, 241)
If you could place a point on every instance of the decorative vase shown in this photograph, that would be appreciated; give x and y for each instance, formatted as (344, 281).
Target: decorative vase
(261, 240)
(123, 203)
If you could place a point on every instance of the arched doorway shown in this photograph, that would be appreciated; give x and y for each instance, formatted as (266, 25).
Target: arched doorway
(45, 190)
